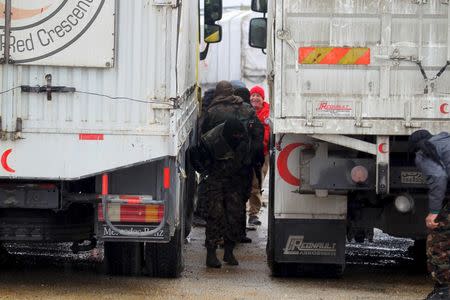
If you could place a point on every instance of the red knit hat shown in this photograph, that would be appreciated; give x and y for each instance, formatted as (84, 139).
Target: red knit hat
(257, 90)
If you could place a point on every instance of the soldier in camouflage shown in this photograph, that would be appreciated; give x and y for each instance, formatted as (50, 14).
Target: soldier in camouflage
(433, 160)
(220, 154)
(226, 105)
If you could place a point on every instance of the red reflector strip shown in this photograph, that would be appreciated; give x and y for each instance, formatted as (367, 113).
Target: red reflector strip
(131, 199)
(166, 178)
(105, 184)
(91, 137)
(334, 55)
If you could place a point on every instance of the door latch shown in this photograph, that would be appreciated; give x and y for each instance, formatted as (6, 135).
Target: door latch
(49, 88)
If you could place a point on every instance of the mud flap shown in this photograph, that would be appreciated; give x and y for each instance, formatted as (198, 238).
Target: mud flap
(307, 241)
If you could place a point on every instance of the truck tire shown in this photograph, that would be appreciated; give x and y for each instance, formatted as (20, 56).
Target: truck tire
(419, 253)
(166, 260)
(124, 258)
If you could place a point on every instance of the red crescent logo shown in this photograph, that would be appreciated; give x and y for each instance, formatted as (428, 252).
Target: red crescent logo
(443, 108)
(381, 148)
(4, 161)
(282, 164)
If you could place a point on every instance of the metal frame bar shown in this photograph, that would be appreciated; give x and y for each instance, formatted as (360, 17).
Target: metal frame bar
(348, 142)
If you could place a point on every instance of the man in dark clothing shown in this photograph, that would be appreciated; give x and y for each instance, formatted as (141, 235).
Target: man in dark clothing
(200, 212)
(256, 153)
(225, 106)
(221, 153)
(433, 160)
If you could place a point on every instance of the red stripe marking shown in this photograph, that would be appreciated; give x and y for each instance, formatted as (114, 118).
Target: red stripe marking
(91, 137)
(167, 178)
(365, 59)
(131, 199)
(127, 197)
(334, 56)
(304, 52)
(134, 201)
(105, 184)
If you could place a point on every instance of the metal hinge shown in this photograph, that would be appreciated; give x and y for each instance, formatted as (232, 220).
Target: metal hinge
(285, 35)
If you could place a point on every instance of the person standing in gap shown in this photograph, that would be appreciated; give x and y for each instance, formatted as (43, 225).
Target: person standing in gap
(257, 100)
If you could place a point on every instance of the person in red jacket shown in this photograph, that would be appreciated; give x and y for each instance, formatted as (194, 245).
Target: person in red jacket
(257, 100)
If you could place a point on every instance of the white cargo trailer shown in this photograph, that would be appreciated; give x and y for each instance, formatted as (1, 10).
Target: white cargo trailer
(349, 81)
(98, 106)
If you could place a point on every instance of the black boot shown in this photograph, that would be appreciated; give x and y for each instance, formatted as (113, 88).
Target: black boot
(228, 255)
(440, 292)
(211, 258)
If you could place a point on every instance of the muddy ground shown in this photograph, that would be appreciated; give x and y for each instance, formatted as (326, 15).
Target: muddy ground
(379, 270)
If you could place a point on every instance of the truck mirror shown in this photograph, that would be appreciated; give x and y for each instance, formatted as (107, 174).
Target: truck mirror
(259, 6)
(213, 11)
(212, 33)
(258, 33)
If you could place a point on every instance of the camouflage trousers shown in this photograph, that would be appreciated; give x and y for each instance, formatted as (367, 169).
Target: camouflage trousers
(438, 248)
(225, 211)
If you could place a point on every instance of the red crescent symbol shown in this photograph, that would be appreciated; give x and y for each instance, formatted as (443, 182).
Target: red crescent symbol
(282, 164)
(5, 161)
(443, 108)
(381, 148)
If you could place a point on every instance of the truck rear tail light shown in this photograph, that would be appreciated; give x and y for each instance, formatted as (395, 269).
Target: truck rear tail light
(359, 174)
(404, 203)
(133, 213)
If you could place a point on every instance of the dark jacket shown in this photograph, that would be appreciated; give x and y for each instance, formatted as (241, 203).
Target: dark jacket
(225, 107)
(436, 174)
(213, 155)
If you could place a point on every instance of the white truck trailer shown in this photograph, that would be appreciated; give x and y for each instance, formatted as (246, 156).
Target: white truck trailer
(98, 106)
(349, 82)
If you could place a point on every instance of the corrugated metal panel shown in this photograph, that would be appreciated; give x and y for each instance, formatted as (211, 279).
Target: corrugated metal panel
(156, 55)
(369, 99)
(142, 71)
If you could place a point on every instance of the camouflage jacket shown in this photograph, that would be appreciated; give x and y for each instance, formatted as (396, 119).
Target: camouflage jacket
(226, 107)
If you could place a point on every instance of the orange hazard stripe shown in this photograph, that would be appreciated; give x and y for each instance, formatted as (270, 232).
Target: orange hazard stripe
(334, 55)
